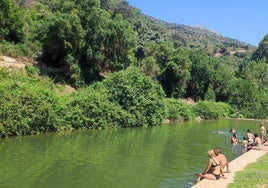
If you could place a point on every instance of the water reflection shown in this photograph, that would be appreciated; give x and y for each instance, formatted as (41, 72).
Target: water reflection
(163, 156)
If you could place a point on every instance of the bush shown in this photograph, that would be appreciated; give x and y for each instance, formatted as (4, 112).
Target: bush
(224, 109)
(32, 71)
(32, 104)
(138, 95)
(177, 110)
(211, 110)
(91, 108)
(125, 99)
(29, 105)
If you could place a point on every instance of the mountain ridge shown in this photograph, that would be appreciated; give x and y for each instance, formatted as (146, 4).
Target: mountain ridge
(196, 28)
(194, 37)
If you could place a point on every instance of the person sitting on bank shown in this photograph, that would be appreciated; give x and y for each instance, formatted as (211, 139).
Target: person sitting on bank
(245, 143)
(257, 142)
(213, 169)
(250, 137)
(223, 161)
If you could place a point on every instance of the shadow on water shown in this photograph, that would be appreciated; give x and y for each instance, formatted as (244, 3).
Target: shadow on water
(164, 156)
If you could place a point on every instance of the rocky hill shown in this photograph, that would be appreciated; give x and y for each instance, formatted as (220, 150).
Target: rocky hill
(196, 37)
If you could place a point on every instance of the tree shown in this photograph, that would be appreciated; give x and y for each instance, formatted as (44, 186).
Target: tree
(176, 74)
(220, 81)
(201, 75)
(11, 22)
(160, 51)
(244, 97)
(262, 51)
(62, 41)
(150, 67)
(110, 43)
(120, 43)
(257, 73)
(81, 38)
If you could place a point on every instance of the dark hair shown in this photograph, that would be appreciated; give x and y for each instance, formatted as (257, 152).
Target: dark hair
(217, 151)
(256, 135)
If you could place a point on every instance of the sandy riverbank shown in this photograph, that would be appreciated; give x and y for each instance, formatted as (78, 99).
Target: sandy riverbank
(237, 164)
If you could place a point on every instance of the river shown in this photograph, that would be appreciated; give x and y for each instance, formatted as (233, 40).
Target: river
(164, 156)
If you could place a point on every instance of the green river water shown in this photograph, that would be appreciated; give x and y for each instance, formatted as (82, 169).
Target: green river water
(154, 157)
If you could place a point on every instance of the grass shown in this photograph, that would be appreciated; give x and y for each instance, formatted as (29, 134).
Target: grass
(255, 175)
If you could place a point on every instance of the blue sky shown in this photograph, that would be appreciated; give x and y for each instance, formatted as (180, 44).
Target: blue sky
(245, 20)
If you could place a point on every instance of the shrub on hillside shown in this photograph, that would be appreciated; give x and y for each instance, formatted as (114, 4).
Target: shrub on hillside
(91, 108)
(211, 110)
(138, 95)
(125, 99)
(28, 105)
(177, 110)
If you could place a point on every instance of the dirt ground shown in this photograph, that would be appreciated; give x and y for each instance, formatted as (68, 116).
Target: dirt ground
(9, 62)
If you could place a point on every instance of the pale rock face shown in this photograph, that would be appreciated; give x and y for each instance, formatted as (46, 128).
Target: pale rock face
(9, 62)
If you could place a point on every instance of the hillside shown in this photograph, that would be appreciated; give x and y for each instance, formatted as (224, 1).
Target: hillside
(195, 37)
(77, 42)
(150, 29)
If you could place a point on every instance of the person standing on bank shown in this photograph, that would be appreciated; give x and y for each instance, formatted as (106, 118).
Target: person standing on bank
(213, 169)
(262, 132)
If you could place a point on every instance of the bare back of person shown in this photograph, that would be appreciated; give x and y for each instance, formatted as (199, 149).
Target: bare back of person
(223, 161)
(257, 142)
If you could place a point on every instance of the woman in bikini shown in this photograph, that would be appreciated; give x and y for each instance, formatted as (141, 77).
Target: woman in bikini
(213, 169)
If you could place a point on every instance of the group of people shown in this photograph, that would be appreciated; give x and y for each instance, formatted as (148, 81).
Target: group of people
(218, 164)
(215, 167)
(250, 140)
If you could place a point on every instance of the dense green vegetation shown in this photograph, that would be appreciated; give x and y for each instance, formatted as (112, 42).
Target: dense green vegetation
(33, 104)
(128, 69)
